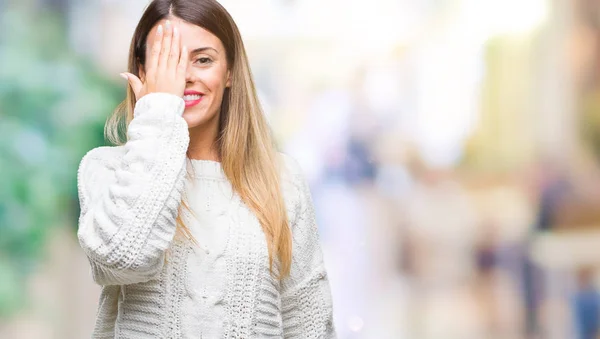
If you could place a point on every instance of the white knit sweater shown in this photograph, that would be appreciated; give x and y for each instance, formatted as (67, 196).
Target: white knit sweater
(158, 285)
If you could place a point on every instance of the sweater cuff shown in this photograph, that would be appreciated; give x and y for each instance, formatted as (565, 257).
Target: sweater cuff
(159, 102)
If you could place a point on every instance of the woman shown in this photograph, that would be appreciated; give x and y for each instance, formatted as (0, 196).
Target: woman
(194, 226)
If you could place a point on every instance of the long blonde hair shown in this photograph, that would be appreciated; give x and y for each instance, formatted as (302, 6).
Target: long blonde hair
(245, 144)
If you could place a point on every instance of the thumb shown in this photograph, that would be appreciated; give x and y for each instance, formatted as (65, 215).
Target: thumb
(134, 82)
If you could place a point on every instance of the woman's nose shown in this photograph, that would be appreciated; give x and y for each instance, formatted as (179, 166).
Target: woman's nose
(189, 75)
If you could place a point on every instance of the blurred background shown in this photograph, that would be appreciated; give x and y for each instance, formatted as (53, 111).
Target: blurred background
(452, 146)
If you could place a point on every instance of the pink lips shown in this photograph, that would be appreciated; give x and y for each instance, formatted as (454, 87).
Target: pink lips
(190, 103)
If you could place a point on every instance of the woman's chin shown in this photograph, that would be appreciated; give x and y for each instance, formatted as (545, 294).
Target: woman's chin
(194, 119)
(191, 119)
(192, 123)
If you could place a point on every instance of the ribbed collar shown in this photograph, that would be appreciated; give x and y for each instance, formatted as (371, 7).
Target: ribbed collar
(205, 169)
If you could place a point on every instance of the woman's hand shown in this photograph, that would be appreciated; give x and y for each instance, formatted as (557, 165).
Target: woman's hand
(165, 67)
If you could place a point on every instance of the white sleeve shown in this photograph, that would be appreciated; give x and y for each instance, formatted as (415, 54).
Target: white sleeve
(307, 309)
(129, 195)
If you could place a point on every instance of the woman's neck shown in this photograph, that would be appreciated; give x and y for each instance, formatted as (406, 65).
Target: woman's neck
(202, 143)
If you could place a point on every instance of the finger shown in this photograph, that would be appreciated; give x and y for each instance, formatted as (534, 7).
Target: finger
(183, 63)
(166, 47)
(175, 49)
(135, 82)
(155, 51)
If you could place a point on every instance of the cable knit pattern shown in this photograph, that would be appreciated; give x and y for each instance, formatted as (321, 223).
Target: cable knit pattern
(247, 249)
(156, 285)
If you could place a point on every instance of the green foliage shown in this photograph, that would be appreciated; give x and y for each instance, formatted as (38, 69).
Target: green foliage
(53, 105)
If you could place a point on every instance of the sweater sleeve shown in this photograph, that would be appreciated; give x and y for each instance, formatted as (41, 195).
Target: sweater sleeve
(129, 195)
(307, 310)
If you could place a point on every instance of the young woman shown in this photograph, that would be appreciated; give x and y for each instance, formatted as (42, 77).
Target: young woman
(194, 226)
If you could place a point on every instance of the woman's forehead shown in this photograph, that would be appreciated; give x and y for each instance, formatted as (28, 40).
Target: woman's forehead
(192, 36)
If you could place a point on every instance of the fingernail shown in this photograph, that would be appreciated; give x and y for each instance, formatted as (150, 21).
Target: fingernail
(159, 30)
(175, 30)
(168, 24)
(124, 76)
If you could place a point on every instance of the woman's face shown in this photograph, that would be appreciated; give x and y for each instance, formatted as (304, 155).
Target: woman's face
(207, 72)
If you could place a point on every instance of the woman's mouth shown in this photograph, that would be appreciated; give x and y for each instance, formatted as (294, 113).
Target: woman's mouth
(192, 98)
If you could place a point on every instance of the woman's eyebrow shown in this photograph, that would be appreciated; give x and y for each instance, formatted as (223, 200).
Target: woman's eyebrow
(202, 49)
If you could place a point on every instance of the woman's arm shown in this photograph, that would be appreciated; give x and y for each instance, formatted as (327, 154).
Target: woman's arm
(129, 195)
(306, 296)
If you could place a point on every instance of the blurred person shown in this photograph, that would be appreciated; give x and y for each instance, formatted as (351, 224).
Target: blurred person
(553, 189)
(194, 225)
(359, 165)
(586, 305)
(489, 283)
